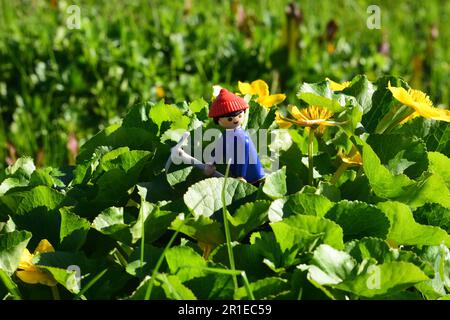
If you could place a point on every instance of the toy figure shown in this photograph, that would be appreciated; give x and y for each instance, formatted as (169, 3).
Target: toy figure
(234, 146)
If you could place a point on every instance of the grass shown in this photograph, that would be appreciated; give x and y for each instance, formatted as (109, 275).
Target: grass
(56, 82)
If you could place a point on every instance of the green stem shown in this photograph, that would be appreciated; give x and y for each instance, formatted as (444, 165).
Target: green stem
(310, 155)
(339, 172)
(141, 213)
(121, 254)
(392, 119)
(148, 292)
(227, 228)
(10, 285)
(247, 286)
(90, 284)
(55, 293)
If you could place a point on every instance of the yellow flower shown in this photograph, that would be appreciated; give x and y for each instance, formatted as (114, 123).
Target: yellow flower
(352, 159)
(29, 273)
(261, 89)
(160, 92)
(420, 102)
(313, 116)
(338, 86)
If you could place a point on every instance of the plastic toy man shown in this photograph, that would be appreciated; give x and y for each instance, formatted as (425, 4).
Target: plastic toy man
(234, 146)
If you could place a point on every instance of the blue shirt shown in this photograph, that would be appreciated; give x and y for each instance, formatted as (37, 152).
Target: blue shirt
(238, 148)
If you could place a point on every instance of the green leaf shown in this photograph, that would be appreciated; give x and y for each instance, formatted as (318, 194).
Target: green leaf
(329, 266)
(7, 226)
(111, 222)
(140, 292)
(161, 112)
(151, 256)
(122, 158)
(384, 184)
(10, 183)
(362, 89)
(198, 105)
(434, 215)
(266, 288)
(22, 168)
(174, 288)
(12, 246)
(382, 101)
(32, 209)
(66, 268)
(203, 229)
(74, 230)
(123, 171)
(22, 202)
(385, 279)
(257, 116)
(402, 154)
(275, 184)
(439, 138)
(47, 176)
(429, 188)
(156, 222)
(440, 165)
(319, 94)
(116, 136)
(302, 232)
(369, 248)
(307, 203)
(296, 171)
(350, 118)
(377, 251)
(359, 220)
(405, 230)
(185, 263)
(212, 287)
(175, 177)
(248, 217)
(247, 258)
(435, 133)
(439, 285)
(204, 197)
(275, 212)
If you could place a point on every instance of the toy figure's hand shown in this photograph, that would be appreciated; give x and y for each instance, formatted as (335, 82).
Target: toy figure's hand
(242, 179)
(209, 169)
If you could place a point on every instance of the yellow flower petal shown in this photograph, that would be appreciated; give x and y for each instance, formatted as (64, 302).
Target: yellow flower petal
(295, 112)
(431, 112)
(410, 117)
(26, 260)
(260, 88)
(38, 276)
(281, 122)
(420, 102)
(28, 272)
(269, 101)
(43, 247)
(353, 158)
(245, 88)
(401, 95)
(160, 93)
(337, 86)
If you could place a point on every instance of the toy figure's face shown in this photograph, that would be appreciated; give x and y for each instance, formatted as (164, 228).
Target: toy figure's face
(231, 122)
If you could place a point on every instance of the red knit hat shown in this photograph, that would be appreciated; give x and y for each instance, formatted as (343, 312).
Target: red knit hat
(226, 102)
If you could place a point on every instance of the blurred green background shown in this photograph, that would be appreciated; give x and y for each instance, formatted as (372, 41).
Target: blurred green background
(59, 86)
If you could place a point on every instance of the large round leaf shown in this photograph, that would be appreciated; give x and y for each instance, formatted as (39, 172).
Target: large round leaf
(205, 197)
